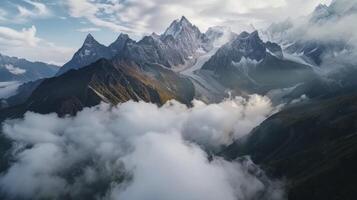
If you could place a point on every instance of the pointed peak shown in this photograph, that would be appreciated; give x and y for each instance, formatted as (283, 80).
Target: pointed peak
(89, 36)
(90, 39)
(185, 22)
(184, 19)
(123, 36)
(321, 7)
(177, 26)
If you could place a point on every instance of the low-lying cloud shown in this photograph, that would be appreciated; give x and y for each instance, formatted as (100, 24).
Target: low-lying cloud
(8, 89)
(138, 151)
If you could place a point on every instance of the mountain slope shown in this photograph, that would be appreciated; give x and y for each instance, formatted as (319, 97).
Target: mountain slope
(310, 38)
(178, 46)
(16, 69)
(251, 65)
(90, 52)
(109, 81)
(311, 144)
(119, 44)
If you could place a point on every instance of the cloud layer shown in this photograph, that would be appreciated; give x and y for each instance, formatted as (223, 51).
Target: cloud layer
(144, 17)
(25, 43)
(137, 151)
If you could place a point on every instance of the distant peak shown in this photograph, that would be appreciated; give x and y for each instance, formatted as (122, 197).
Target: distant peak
(89, 39)
(321, 7)
(155, 35)
(123, 36)
(89, 36)
(244, 34)
(255, 33)
(185, 22)
(183, 19)
(177, 26)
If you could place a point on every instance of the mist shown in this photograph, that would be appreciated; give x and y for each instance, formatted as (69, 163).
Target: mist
(8, 89)
(137, 150)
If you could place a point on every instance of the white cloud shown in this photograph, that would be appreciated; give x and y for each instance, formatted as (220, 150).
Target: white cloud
(143, 17)
(88, 10)
(14, 37)
(30, 11)
(27, 45)
(89, 29)
(136, 151)
(344, 28)
(8, 89)
(14, 70)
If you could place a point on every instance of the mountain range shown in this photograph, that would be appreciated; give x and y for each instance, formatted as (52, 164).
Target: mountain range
(302, 38)
(310, 143)
(16, 69)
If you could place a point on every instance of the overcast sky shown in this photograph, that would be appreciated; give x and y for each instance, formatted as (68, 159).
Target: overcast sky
(52, 30)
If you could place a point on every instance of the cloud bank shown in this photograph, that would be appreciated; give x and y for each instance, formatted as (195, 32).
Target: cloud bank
(25, 43)
(143, 17)
(8, 89)
(137, 151)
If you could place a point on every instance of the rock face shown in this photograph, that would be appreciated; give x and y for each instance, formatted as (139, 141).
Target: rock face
(109, 81)
(90, 52)
(248, 63)
(16, 69)
(177, 46)
(119, 44)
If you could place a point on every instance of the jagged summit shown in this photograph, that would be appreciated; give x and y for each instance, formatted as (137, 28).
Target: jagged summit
(179, 25)
(321, 6)
(90, 52)
(90, 41)
(178, 46)
(119, 44)
(185, 21)
(89, 37)
(122, 36)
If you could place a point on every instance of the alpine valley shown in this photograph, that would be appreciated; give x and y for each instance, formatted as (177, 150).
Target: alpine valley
(278, 105)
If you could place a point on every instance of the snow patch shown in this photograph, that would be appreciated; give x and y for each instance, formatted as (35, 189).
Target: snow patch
(87, 52)
(245, 62)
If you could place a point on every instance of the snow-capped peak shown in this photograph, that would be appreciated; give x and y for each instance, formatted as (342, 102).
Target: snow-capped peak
(177, 26)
